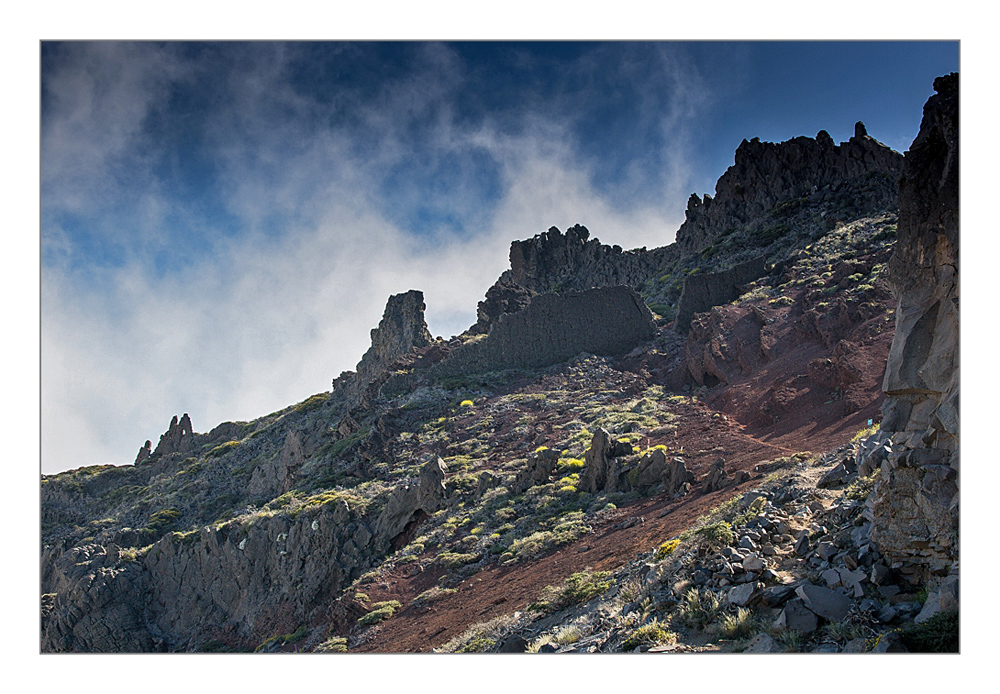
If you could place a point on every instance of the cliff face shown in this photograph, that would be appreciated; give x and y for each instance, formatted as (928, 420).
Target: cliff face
(861, 171)
(555, 327)
(915, 504)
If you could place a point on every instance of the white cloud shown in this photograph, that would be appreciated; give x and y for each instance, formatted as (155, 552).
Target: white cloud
(265, 320)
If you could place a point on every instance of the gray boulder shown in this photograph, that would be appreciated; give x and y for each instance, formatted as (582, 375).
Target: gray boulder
(797, 617)
(763, 643)
(824, 602)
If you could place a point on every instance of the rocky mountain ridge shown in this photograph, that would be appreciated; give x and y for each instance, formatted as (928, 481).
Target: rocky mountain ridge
(371, 517)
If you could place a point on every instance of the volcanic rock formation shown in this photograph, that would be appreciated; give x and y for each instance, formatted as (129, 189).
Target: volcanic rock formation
(764, 175)
(553, 261)
(177, 439)
(555, 327)
(915, 504)
(401, 329)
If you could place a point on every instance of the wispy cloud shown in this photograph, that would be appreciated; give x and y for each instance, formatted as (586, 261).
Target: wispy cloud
(271, 309)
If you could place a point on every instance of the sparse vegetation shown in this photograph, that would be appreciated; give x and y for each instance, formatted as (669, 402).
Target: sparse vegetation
(579, 587)
(652, 634)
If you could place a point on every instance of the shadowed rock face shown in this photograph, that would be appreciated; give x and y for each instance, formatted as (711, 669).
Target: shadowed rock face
(915, 503)
(555, 327)
(702, 292)
(766, 174)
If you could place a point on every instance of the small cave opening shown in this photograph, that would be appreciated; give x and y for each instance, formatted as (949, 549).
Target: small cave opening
(409, 530)
(710, 381)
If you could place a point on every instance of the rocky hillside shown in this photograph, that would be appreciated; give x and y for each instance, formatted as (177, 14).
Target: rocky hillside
(657, 450)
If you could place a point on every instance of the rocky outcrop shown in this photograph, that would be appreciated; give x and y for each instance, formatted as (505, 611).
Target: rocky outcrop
(541, 465)
(178, 438)
(554, 327)
(862, 172)
(144, 452)
(401, 330)
(602, 469)
(703, 291)
(654, 468)
(503, 297)
(914, 506)
(231, 582)
(99, 606)
(411, 503)
(553, 262)
(275, 476)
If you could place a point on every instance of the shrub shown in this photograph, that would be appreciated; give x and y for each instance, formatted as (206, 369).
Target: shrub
(741, 625)
(482, 636)
(578, 588)
(718, 534)
(453, 560)
(312, 402)
(939, 634)
(861, 487)
(377, 615)
(162, 520)
(336, 644)
(652, 634)
(433, 595)
(666, 549)
(699, 608)
(222, 449)
(283, 639)
(569, 464)
(465, 403)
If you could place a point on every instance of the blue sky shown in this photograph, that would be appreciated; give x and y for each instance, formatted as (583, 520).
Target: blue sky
(221, 223)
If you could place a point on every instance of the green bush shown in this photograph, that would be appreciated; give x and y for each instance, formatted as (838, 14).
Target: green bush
(718, 534)
(699, 608)
(578, 588)
(383, 610)
(741, 625)
(652, 634)
(335, 644)
(162, 520)
(222, 449)
(939, 634)
(312, 402)
(666, 549)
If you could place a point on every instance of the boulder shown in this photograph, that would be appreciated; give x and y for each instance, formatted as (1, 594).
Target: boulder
(826, 603)
(763, 643)
(940, 599)
(409, 502)
(716, 478)
(742, 594)
(796, 617)
(654, 468)
(775, 596)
